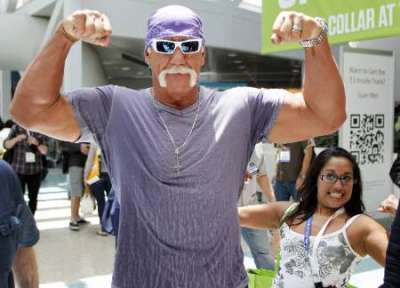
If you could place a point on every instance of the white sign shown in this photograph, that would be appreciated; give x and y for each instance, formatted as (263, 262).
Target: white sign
(368, 131)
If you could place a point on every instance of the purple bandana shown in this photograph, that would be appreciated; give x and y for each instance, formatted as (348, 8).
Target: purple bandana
(173, 20)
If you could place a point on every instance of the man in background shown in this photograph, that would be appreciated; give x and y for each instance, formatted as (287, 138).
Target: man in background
(292, 164)
(259, 241)
(27, 160)
(77, 154)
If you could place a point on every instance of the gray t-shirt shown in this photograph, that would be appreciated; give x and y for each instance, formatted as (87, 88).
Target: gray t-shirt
(177, 230)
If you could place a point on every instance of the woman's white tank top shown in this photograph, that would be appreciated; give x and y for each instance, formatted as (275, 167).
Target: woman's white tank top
(335, 257)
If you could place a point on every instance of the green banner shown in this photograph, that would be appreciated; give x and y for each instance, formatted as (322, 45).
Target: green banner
(348, 20)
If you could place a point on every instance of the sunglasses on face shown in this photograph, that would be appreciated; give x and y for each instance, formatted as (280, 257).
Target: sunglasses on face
(331, 178)
(190, 46)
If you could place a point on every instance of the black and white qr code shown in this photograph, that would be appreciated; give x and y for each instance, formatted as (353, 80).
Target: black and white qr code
(367, 138)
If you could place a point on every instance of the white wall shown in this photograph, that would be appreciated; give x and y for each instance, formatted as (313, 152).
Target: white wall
(92, 70)
(21, 39)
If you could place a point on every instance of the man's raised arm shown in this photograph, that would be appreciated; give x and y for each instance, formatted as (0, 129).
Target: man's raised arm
(320, 109)
(37, 103)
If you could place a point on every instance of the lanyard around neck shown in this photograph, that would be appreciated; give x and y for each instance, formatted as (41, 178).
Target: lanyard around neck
(307, 234)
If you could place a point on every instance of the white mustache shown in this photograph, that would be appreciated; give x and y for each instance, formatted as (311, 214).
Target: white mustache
(177, 70)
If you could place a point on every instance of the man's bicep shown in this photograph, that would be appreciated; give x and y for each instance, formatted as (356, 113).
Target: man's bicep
(296, 121)
(59, 121)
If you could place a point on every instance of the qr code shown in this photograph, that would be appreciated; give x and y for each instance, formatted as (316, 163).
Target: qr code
(367, 138)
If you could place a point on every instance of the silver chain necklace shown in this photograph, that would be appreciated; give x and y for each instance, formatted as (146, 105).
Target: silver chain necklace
(177, 149)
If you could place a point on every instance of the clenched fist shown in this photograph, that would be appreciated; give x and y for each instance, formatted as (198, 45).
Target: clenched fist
(292, 26)
(89, 26)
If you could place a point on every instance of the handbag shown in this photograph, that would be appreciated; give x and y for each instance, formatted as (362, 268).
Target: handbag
(88, 204)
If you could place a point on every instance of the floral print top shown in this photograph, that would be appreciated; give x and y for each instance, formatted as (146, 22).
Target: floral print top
(336, 259)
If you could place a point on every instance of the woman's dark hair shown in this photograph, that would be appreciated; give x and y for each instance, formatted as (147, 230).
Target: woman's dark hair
(309, 190)
(9, 123)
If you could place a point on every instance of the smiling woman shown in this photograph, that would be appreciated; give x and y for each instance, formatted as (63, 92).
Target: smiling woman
(326, 234)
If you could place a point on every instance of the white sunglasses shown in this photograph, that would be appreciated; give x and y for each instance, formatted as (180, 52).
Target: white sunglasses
(163, 46)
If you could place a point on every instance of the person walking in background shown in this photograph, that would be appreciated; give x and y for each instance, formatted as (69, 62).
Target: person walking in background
(293, 161)
(99, 183)
(256, 179)
(77, 154)
(27, 160)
